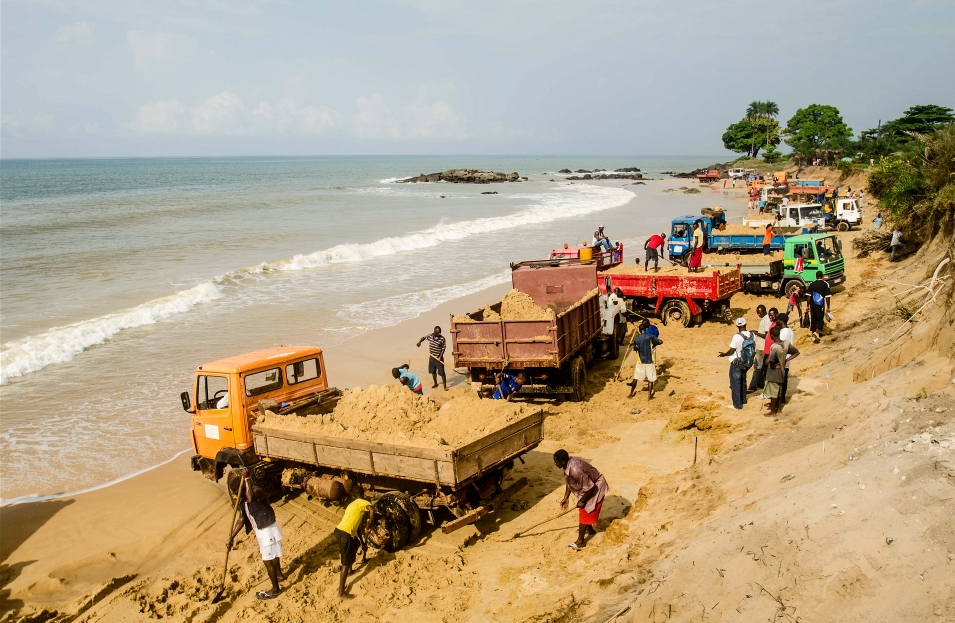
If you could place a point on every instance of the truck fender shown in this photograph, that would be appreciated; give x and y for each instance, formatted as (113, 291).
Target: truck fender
(694, 308)
(235, 458)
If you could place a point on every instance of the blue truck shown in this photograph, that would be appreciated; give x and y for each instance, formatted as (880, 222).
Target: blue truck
(681, 238)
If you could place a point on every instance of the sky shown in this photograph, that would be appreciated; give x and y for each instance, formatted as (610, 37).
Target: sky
(103, 78)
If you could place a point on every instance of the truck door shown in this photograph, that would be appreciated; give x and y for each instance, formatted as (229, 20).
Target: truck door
(212, 423)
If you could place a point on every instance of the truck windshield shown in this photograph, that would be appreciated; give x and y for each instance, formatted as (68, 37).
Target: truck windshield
(210, 391)
(302, 371)
(262, 382)
(827, 250)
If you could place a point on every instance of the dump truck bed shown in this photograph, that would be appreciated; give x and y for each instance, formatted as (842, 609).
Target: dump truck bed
(713, 287)
(511, 344)
(453, 468)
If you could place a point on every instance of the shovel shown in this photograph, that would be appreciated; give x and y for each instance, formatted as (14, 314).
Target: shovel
(616, 377)
(541, 523)
(225, 568)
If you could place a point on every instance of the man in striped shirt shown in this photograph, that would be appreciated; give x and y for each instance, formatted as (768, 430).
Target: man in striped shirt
(436, 346)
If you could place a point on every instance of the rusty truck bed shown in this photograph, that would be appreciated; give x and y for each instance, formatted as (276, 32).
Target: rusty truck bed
(453, 468)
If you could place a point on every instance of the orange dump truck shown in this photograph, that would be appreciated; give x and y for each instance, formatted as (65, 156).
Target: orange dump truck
(401, 480)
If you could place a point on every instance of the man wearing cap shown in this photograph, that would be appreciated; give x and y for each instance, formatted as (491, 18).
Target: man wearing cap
(601, 239)
(742, 340)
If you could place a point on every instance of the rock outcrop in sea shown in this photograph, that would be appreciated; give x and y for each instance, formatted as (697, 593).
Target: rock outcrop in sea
(464, 176)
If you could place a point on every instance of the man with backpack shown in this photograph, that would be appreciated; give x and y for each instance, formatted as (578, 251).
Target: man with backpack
(742, 354)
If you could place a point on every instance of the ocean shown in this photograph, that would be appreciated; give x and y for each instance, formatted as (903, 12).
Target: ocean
(119, 277)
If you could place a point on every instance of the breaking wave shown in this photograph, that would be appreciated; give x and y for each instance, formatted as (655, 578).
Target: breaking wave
(61, 344)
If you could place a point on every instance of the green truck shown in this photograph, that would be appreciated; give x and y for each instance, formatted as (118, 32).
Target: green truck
(819, 253)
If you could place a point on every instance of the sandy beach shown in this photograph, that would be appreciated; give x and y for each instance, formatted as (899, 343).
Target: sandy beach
(713, 514)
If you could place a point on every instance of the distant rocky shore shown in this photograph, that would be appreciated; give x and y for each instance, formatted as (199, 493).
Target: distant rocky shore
(465, 176)
(722, 167)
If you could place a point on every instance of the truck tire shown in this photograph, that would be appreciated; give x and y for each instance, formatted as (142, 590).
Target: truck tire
(395, 521)
(578, 378)
(229, 483)
(410, 510)
(844, 226)
(677, 313)
(791, 285)
(685, 258)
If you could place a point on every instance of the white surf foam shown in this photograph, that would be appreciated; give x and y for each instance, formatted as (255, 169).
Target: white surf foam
(563, 202)
(392, 310)
(390, 180)
(61, 344)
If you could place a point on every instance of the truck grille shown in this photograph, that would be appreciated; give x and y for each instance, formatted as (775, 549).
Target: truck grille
(835, 266)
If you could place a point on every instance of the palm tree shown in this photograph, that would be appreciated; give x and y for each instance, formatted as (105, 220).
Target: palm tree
(753, 113)
(769, 111)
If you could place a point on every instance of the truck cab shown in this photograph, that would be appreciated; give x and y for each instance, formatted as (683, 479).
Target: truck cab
(680, 240)
(227, 393)
(819, 253)
(847, 214)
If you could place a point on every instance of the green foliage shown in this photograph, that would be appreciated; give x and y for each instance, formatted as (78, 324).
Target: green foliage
(818, 131)
(845, 168)
(917, 187)
(745, 137)
(772, 155)
(893, 135)
(757, 130)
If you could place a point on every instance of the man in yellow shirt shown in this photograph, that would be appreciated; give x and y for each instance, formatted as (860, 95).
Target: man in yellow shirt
(350, 534)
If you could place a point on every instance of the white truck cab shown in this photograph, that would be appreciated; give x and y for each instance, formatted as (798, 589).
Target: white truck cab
(847, 214)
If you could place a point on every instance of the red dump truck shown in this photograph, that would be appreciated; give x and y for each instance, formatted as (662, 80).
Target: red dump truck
(553, 353)
(679, 299)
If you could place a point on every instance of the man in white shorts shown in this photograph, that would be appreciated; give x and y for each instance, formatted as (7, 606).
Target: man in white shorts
(645, 369)
(259, 517)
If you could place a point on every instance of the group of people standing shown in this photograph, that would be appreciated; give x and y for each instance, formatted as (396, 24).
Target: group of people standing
(769, 350)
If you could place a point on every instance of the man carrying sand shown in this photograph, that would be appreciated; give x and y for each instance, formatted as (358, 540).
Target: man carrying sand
(645, 368)
(406, 378)
(696, 259)
(588, 486)
(350, 535)
(654, 248)
(436, 347)
(259, 517)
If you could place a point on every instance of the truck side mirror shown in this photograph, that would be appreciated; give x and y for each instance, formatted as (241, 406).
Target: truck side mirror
(186, 403)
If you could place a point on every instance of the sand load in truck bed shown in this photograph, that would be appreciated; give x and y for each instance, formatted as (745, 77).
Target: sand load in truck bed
(740, 230)
(632, 269)
(742, 258)
(519, 306)
(392, 414)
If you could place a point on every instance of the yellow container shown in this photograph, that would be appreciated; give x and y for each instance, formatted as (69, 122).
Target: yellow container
(586, 254)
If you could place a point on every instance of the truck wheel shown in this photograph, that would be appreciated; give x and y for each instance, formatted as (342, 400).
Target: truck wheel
(685, 258)
(676, 312)
(411, 512)
(229, 483)
(395, 521)
(578, 377)
(843, 226)
(791, 285)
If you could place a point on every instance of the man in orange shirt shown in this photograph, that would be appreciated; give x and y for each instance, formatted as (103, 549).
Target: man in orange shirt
(768, 239)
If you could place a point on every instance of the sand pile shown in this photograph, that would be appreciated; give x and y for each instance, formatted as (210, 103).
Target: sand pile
(514, 306)
(392, 414)
(742, 258)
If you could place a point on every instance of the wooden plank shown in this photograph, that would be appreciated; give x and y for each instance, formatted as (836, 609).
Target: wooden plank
(510, 429)
(493, 455)
(405, 467)
(355, 444)
(476, 514)
(301, 451)
(347, 458)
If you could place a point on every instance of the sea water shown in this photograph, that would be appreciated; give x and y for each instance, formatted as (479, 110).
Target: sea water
(119, 277)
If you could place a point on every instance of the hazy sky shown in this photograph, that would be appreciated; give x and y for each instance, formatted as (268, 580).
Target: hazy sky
(215, 77)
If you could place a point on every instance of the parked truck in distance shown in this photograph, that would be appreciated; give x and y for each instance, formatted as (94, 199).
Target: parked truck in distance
(553, 352)
(818, 252)
(401, 480)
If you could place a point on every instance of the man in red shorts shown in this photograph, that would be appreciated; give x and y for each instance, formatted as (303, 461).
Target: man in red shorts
(588, 486)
